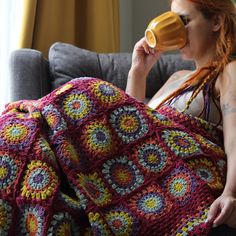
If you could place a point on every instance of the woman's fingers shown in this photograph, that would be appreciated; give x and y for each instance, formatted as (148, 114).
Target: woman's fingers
(148, 49)
(223, 211)
(143, 57)
(231, 221)
(214, 210)
(142, 45)
(223, 216)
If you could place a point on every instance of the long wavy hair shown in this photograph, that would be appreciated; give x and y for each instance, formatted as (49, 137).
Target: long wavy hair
(204, 78)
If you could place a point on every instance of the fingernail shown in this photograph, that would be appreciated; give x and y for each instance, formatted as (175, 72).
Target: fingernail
(214, 225)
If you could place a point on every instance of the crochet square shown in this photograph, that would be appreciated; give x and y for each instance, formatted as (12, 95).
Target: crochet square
(17, 134)
(122, 175)
(11, 166)
(129, 123)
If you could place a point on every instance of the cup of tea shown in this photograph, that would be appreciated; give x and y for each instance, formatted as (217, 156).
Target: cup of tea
(166, 32)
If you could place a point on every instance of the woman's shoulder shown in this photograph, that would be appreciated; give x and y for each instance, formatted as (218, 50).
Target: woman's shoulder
(179, 74)
(230, 67)
(228, 76)
(183, 72)
(229, 71)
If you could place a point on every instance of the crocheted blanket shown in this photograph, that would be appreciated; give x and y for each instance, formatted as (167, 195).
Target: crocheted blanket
(88, 159)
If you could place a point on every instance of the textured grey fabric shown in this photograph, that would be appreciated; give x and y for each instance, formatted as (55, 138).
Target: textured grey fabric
(67, 61)
(33, 77)
(29, 77)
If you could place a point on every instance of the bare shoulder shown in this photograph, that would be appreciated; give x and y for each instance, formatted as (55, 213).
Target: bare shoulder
(174, 77)
(231, 66)
(178, 74)
(228, 77)
(227, 87)
(230, 70)
(226, 82)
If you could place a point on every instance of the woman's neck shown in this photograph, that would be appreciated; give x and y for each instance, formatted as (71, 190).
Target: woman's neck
(206, 59)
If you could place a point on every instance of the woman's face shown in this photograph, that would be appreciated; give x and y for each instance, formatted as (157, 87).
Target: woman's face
(201, 35)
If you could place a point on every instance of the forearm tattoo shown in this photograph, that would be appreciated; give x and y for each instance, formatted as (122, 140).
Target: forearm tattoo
(227, 109)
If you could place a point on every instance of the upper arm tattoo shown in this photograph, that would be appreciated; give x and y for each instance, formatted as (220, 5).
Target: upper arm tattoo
(226, 109)
(229, 103)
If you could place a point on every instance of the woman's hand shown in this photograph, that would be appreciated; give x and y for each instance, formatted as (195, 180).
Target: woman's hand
(143, 57)
(223, 211)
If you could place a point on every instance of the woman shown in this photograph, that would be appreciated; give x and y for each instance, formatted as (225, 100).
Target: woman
(211, 28)
(88, 158)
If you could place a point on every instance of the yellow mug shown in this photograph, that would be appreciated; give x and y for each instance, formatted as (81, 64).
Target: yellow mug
(166, 32)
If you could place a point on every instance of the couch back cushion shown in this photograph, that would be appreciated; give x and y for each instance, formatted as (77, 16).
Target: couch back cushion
(67, 62)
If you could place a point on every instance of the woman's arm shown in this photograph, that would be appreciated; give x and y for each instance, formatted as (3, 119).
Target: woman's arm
(224, 208)
(143, 59)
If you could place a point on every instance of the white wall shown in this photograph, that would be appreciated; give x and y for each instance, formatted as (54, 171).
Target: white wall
(135, 16)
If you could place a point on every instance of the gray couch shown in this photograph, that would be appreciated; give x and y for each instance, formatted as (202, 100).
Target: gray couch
(32, 76)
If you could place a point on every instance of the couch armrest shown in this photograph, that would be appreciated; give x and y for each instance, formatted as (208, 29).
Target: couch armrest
(29, 77)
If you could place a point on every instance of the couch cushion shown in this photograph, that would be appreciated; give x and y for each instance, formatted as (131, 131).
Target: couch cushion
(67, 62)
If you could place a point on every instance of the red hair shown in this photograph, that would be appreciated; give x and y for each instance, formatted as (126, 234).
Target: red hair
(225, 46)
